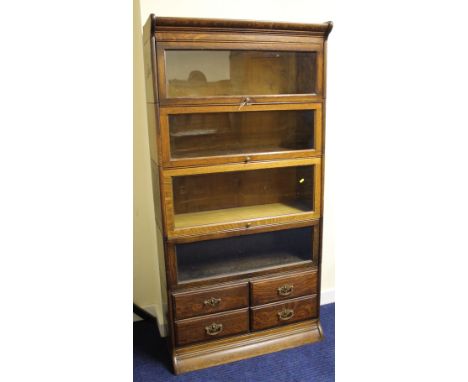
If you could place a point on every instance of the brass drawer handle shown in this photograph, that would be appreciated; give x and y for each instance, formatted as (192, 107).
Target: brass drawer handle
(286, 289)
(285, 314)
(212, 301)
(214, 329)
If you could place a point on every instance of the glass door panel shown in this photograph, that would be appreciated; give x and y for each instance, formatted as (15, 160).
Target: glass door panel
(195, 73)
(223, 197)
(213, 134)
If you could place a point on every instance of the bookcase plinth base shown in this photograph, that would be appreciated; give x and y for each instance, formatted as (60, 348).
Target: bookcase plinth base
(233, 349)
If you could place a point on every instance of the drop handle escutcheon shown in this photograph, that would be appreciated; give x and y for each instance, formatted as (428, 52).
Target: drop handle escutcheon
(286, 289)
(285, 314)
(214, 329)
(212, 301)
(247, 159)
(248, 225)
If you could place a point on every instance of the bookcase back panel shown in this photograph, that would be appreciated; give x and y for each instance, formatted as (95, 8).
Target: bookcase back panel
(244, 254)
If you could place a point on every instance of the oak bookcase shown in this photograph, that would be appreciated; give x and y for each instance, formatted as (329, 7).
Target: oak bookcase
(236, 113)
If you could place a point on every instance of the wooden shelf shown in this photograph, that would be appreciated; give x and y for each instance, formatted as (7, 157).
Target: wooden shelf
(239, 214)
(218, 265)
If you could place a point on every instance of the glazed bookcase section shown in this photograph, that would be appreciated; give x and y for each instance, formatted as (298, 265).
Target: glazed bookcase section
(223, 134)
(209, 72)
(247, 254)
(241, 196)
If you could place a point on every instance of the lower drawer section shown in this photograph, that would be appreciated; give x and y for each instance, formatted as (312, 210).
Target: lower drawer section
(285, 312)
(211, 327)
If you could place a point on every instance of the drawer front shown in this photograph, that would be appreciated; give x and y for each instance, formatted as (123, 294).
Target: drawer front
(210, 300)
(281, 288)
(282, 313)
(211, 327)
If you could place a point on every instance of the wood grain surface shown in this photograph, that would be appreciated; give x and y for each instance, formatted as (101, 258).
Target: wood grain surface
(270, 315)
(277, 288)
(210, 300)
(193, 330)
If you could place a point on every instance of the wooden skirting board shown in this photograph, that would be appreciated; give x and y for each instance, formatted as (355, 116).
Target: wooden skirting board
(227, 350)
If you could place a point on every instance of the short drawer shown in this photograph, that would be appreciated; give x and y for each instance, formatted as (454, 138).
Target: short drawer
(282, 313)
(280, 288)
(212, 326)
(210, 300)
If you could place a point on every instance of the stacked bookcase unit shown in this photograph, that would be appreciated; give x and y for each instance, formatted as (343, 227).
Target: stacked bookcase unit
(236, 113)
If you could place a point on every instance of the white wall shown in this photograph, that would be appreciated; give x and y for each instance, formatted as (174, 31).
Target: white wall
(147, 283)
(293, 11)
